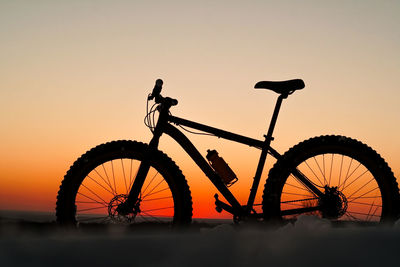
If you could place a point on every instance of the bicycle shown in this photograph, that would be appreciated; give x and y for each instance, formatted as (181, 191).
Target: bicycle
(130, 182)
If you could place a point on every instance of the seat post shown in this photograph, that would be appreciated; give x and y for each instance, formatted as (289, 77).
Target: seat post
(275, 116)
(264, 152)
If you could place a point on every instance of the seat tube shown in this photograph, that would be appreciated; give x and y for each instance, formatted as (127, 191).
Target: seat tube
(264, 153)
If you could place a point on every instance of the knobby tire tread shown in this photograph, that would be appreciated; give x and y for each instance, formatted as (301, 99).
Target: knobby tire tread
(65, 211)
(279, 173)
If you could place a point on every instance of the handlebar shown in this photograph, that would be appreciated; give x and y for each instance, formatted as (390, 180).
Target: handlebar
(155, 94)
(157, 89)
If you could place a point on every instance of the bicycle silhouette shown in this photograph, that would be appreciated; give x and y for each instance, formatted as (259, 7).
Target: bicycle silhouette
(129, 182)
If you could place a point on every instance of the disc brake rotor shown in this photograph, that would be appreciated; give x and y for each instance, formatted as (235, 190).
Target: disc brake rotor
(115, 216)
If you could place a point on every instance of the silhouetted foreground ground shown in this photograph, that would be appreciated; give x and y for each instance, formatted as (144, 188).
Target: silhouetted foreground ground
(309, 242)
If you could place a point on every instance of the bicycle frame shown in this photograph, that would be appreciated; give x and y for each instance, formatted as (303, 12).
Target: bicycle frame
(164, 125)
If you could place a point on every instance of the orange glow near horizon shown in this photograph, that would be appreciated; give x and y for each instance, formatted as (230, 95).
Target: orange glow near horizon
(74, 75)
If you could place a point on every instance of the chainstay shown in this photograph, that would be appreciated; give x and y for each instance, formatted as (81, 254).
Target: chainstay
(306, 199)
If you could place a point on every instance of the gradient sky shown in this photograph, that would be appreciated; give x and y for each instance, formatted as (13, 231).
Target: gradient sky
(74, 74)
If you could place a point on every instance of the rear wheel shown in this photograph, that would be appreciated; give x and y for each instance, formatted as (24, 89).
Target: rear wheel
(357, 184)
(102, 178)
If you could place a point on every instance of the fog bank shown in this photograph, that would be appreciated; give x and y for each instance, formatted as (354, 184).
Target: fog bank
(311, 241)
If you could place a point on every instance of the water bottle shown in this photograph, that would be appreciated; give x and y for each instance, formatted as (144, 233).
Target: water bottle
(221, 168)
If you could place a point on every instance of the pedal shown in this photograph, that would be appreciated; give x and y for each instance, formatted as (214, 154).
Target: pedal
(219, 205)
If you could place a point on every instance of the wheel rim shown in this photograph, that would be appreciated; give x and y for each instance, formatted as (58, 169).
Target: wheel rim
(358, 192)
(108, 185)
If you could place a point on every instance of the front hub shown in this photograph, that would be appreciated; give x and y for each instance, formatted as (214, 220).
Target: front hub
(333, 204)
(119, 215)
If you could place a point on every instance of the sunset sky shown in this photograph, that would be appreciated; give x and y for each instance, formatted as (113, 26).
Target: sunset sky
(75, 74)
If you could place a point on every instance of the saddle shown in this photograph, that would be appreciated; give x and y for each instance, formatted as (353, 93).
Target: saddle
(281, 87)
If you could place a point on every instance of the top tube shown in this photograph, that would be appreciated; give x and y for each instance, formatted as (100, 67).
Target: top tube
(218, 132)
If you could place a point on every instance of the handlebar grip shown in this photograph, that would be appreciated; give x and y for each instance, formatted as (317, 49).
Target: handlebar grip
(157, 89)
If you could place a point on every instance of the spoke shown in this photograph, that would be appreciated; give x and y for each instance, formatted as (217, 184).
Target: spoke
(348, 177)
(100, 185)
(323, 165)
(313, 173)
(348, 170)
(109, 185)
(365, 197)
(104, 203)
(144, 191)
(108, 179)
(330, 175)
(150, 216)
(365, 204)
(92, 202)
(130, 177)
(159, 198)
(359, 213)
(95, 208)
(93, 218)
(359, 164)
(293, 204)
(373, 213)
(166, 220)
(94, 193)
(362, 186)
(123, 171)
(370, 208)
(355, 198)
(355, 180)
(167, 188)
(341, 166)
(351, 216)
(112, 168)
(298, 187)
(153, 189)
(323, 175)
(295, 194)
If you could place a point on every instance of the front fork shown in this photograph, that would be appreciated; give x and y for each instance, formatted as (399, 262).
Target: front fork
(130, 205)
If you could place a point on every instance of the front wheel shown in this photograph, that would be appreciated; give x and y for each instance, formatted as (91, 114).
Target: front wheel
(357, 184)
(102, 178)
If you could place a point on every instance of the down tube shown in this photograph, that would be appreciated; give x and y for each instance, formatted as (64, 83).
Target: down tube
(180, 138)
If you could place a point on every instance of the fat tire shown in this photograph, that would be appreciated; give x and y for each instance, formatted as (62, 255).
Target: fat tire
(367, 156)
(66, 207)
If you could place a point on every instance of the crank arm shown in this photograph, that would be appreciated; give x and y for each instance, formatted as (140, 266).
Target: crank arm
(219, 206)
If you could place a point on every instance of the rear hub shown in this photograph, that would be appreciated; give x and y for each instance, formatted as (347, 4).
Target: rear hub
(333, 204)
